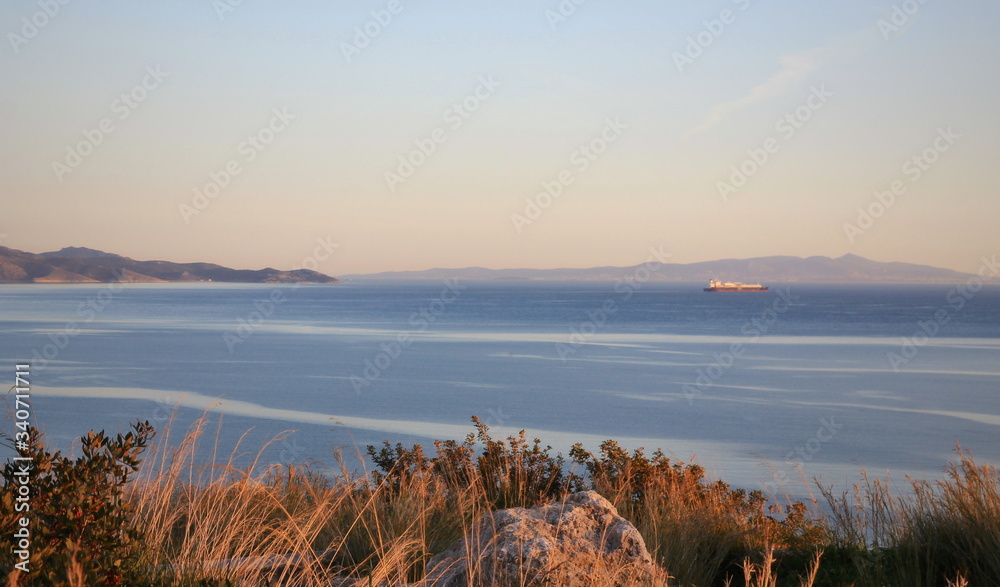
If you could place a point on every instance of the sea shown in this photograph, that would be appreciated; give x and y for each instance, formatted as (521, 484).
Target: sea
(775, 391)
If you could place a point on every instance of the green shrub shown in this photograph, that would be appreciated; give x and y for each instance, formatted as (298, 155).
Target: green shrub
(82, 530)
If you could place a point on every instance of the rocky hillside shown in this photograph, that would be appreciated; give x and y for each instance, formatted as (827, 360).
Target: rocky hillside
(82, 265)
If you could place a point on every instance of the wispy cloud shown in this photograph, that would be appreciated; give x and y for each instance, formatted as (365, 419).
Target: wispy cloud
(794, 68)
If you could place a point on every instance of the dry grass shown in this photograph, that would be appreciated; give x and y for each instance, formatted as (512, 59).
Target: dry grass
(763, 574)
(249, 524)
(291, 525)
(692, 537)
(947, 530)
(223, 522)
(699, 531)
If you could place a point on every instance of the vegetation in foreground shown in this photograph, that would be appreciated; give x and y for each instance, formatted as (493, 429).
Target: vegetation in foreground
(107, 518)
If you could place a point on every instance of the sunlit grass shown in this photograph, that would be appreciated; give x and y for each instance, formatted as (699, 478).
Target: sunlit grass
(224, 523)
(937, 532)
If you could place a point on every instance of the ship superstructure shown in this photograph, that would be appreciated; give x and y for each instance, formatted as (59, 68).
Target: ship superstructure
(716, 285)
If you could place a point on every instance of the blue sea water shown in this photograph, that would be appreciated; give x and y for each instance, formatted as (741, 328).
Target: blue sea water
(765, 390)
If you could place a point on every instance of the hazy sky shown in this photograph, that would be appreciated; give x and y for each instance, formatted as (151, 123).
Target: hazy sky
(115, 113)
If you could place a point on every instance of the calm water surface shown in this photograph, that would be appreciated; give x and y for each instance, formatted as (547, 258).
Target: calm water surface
(759, 388)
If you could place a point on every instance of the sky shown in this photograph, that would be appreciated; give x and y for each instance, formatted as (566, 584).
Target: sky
(415, 134)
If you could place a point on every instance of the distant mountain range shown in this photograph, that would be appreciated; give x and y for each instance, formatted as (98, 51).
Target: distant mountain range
(849, 268)
(82, 265)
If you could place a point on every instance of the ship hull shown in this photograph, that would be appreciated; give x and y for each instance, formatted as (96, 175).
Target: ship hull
(736, 289)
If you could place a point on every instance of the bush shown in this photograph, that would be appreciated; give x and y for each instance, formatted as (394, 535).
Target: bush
(511, 473)
(82, 531)
(698, 531)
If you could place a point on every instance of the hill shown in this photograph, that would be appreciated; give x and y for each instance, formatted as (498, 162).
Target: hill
(845, 269)
(82, 265)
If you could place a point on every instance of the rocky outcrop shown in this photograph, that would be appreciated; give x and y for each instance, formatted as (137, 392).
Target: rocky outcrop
(577, 541)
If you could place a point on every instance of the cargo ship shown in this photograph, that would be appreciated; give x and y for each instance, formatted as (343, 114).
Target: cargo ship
(715, 285)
